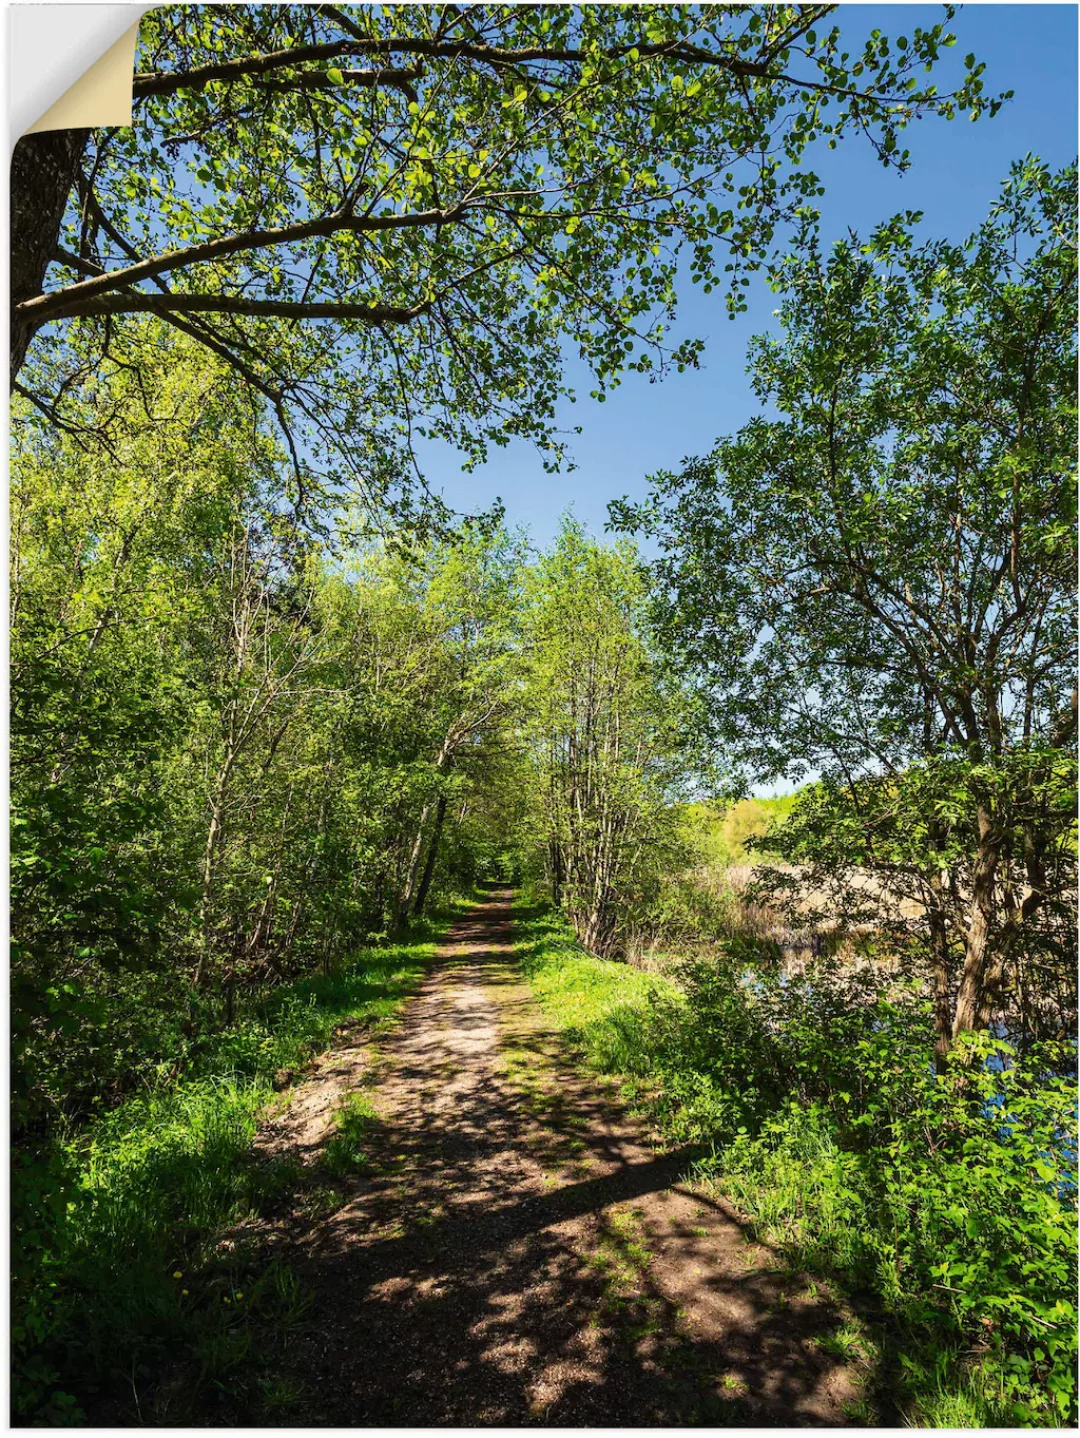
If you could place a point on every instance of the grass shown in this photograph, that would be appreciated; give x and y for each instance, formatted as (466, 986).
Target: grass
(816, 1198)
(595, 1003)
(148, 1307)
(346, 1150)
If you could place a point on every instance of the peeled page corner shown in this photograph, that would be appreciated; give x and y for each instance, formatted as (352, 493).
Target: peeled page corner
(53, 87)
(100, 97)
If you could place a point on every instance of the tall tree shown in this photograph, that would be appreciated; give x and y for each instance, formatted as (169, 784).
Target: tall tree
(880, 582)
(611, 734)
(112, 639)
(387, 220)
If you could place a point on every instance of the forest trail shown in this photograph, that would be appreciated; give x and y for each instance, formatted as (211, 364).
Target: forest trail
(515, 1250)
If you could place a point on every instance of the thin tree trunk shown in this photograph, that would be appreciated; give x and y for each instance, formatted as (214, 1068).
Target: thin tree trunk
(556, 872)
(970, 1000)
(213, 839)
(413, 870)
(429, 863)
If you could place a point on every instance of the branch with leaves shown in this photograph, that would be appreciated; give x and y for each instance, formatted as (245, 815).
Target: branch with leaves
(495, 179)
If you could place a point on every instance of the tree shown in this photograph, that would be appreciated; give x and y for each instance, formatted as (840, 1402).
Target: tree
(880, 582)
(468, 605)
(611, 736)
(388, 220)
(267, 647)
(111, 564)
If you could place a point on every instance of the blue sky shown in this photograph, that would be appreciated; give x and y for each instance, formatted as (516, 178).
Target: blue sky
(955, 173)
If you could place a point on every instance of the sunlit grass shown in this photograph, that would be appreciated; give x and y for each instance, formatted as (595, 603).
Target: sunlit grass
(595, 1003)
(164, 1176)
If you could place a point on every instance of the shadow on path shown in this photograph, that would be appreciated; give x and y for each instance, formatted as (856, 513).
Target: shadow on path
(513, 1250)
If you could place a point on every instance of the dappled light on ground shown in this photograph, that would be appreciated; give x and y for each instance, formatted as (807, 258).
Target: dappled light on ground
(509, 1247)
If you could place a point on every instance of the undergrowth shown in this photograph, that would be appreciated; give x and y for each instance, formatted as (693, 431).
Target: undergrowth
(944, 1208)
(127, 1301)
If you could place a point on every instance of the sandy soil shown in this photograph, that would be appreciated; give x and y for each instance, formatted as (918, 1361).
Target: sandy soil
(517, 1251)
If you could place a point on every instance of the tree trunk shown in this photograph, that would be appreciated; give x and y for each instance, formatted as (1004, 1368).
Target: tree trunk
(971, 999)
(939, 963)
(210, 849)
(43, 170)
(556, 872)
(409, 888)
(429, 862)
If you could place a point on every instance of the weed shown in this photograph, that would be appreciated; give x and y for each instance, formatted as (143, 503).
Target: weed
(814, 1103)
(346, 1151)
(845, 1343)
(279, 1394)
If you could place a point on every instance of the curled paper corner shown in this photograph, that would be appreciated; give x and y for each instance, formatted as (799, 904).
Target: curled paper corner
(102, 96)
(71, 65)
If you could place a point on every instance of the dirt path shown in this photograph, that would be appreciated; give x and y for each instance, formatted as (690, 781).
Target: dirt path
(517, 1252)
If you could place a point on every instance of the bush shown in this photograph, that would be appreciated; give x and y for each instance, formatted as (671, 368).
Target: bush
(816, 1108)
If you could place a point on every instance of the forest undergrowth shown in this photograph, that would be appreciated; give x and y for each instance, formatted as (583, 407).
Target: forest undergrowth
(131, 1302)
(943, 1208)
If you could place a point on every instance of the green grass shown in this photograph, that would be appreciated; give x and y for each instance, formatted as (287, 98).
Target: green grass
(595, 1003)
(818, 1135)
(346, 1150)
(137, 1302)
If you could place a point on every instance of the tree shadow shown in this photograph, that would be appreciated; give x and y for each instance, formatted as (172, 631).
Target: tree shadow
(449, 1290)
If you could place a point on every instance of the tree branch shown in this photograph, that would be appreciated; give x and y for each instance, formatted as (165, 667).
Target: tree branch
(682, 52)
(70, 300)
(169, 83)
(171, 303)
(196, 332)
(51, 414)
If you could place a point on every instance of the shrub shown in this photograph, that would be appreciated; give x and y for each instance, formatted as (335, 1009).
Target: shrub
(815, 1105)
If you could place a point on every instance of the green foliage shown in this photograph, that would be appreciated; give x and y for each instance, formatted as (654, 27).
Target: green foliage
(727, 833)
(116, 1229)
(446, 201)
(612, 738)
(880, 855)
(814, 1104)
(878, 581)
(228, 747)
(578, 988)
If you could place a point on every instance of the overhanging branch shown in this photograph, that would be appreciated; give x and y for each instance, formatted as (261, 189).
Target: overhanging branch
(165, 304)
(169, 83)
(71, 299)
(679, 52)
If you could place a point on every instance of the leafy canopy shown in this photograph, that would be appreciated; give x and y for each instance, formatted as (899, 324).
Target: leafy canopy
(391, 220)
